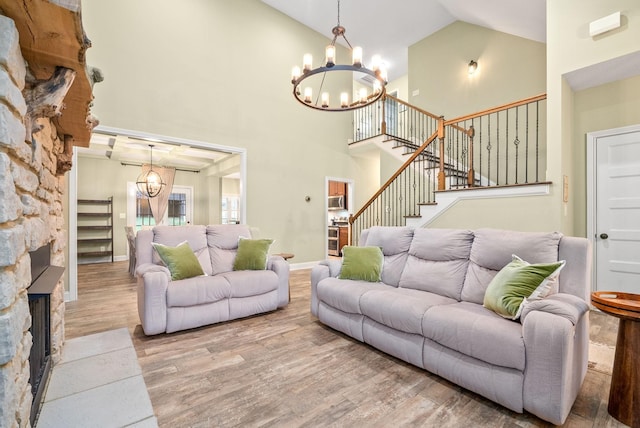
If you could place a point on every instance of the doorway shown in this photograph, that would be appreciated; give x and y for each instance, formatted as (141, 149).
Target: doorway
(613, 208)
(337, 218)
(120, 147)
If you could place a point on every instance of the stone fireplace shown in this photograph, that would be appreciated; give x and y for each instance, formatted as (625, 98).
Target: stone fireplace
(35, 153)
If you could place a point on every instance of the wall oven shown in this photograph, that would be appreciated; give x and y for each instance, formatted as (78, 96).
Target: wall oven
(334, 241)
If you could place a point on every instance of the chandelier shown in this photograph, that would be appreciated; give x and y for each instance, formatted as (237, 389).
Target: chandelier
(377, 72)
(150, 183)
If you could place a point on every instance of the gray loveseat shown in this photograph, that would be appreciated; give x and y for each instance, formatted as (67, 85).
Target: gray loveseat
(428, 311)
(221, 294)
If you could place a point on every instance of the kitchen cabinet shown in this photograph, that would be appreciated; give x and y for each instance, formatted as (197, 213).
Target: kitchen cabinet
(343, 237)
(337, 188)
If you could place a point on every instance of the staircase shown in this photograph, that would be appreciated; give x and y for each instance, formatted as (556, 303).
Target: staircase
(482, 153)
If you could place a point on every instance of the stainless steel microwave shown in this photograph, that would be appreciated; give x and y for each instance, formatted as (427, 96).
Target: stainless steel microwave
(337, 203)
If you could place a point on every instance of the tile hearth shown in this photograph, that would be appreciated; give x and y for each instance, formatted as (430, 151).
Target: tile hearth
(98, 382)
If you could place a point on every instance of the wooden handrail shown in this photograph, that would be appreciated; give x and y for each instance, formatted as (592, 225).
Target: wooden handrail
(404, 166)
(496, 109)
(398, 100)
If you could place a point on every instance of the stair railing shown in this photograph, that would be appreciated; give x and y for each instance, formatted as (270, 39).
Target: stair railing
(394, 118)
(400, 197)
(501, 146)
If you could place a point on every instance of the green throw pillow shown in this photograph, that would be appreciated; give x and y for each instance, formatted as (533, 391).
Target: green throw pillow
(180, 260)
(252, 254)
(362, 263)
(518, 282)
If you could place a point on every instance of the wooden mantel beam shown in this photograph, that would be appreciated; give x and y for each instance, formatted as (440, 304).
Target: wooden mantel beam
(52, 36)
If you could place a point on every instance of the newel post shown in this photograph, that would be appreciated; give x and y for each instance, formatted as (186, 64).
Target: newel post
(471, 174)
(441, 174)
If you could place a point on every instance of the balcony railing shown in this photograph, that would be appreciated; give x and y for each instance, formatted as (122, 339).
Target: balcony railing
(502, 146)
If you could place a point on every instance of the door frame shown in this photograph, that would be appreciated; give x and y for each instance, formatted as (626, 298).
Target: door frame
(71, 293)
(350, 191)
(592, 179)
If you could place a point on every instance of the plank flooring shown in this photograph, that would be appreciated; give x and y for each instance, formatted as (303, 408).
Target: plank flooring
(285, 369)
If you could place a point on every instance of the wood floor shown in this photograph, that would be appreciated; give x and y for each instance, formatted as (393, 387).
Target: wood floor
(284, 369)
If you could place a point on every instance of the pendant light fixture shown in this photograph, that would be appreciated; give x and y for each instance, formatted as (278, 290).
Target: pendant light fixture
(150, 183)
(377, 74)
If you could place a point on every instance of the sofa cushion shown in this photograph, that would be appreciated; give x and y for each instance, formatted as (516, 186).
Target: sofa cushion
(246, 283)
(345, 294)
(252, 254)
(437, 261)
(400, 308)
(476, 331)
(361, 263)
(395, 243)
(492, 250)
(518, 282)
(195, 235)
(180, 260)
(223, 245)
(197, 291)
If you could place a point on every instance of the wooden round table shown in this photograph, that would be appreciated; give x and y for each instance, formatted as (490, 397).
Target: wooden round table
(625, 379)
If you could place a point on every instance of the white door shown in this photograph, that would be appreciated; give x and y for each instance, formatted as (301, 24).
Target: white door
(615, 228)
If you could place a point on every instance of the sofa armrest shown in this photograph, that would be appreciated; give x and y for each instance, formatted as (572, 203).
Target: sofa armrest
(324, 269)
(556, 339)
(153, 281)
(281, 267)
(565, 305)
(145, 268)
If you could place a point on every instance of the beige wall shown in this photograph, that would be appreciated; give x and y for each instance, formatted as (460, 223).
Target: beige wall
(603, 107)
(219, 71)
(571, 49)
(509, 68)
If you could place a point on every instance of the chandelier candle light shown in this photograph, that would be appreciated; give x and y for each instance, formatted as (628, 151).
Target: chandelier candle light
(150, 183)
(322, 101)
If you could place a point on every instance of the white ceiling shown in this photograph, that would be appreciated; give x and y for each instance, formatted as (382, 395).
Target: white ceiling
(388, 28)
(136, 151)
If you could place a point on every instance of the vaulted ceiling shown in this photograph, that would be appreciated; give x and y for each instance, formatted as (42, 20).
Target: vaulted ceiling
(388, 28)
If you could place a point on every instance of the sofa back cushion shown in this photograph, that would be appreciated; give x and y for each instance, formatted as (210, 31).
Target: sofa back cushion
(172, 236)
(395, 243)
(493, 249)
(437, 261)
(223, 244)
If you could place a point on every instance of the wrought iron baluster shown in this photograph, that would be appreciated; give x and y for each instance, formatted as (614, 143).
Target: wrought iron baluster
(497, 148)
(516, 142)
(480, 148)
(526, 148)
(489, 147)
(537, 141)
(506, 149)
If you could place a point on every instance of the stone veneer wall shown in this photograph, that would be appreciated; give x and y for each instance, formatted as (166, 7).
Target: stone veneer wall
(30, 217)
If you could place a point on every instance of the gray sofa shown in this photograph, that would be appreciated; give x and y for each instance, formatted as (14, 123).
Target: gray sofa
(428, 311)
(221, 294)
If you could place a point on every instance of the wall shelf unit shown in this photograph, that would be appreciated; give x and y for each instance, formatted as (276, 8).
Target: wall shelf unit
(95, 230)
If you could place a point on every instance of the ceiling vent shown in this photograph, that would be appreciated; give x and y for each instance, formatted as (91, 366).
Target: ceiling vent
(366, 79)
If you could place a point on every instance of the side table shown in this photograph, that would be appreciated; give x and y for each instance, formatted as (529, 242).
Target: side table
(625, 379)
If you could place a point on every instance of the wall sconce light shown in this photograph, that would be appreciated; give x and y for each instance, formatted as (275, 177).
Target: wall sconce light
(473, 66)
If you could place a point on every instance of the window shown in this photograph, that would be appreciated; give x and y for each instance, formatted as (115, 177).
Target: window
(230, 209)
(179, 211)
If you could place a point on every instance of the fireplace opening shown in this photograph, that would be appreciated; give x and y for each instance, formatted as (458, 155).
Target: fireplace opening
(44, 278)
